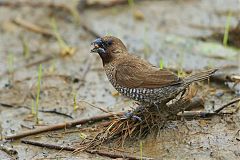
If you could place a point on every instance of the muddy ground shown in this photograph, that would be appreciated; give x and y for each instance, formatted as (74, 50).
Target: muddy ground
(154, 30)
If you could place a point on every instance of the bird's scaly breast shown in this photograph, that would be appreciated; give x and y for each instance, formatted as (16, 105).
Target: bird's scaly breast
(138, 94)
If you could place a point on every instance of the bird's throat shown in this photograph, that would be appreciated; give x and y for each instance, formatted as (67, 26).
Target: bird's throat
(106, 58)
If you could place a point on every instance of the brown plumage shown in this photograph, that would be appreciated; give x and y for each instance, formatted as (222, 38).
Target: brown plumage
(138, 79)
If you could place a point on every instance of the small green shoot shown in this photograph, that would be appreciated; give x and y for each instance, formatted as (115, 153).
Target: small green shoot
(181, 73)
(75, 102)
(26, 52)
(137, 14)
(52, 67)
(10, 62)
(131, 3)
(180, 63)
(227, 28)
(65, 49)
(161, 63)
(33, 108)
(38, 92)
(141, 150)
(74, 12)
(61, 42)
(83, 136)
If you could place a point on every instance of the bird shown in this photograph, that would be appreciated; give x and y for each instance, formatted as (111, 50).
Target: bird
(136, 78)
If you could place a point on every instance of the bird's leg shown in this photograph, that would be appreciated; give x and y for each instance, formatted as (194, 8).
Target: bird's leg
(179, 106)
(157, 106)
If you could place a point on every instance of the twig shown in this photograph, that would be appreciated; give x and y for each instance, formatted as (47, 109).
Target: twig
(40, 110)
(59, 7)
(50, 146)
(55, 112)
(44, 60)
(6, 105)
(190, 114)
(101, 153)
(226, 105)
(85, 4)
(101, 109)
(200, 26)
(14, 4)
(33, 27)
(9, 150)
(204, 114)
(66, 78)
(61, 126)
(115, 155)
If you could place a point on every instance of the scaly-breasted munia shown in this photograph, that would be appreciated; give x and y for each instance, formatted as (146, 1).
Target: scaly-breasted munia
(136, 78)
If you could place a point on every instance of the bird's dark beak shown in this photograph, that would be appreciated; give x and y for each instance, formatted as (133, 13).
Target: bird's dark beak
(98, 46)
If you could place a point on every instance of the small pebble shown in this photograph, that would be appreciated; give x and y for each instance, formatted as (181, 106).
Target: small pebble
(219, 93)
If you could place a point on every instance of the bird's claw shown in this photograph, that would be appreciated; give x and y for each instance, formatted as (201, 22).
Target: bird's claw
(130, 115)
(136, 118)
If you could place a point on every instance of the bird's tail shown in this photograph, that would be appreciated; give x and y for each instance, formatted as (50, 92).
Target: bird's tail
(199, 76)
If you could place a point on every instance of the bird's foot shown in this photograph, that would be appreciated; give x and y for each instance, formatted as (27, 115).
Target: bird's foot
(184, 122)
(130, 115)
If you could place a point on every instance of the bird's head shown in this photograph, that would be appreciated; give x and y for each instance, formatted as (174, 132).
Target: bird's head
(108, 47)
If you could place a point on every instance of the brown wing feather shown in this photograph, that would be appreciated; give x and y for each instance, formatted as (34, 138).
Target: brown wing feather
(140, 74)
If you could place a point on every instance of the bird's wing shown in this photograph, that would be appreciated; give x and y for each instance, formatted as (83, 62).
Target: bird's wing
(140, 74)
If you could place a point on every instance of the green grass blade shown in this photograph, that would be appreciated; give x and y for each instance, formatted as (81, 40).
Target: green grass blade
(38, 91)
(61, 42)
(131, 3)
(161, 63)
(227, 28)
(75, 102)
(10, 62)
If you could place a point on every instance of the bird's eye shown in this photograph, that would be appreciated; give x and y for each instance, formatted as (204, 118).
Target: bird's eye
(109, 42)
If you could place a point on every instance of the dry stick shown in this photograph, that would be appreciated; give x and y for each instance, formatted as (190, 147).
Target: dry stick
(228, 104)
(60, 7)
(32, 27)
(56, 112)
(65, 78)
(6, 105)
(101, 109)
(85, 4)
(200, 26)
(191, 114)
(40, 110)
(8, 150)
(50, 5)
(61, 126)
(207, 114)
(101, 153)
(37, 29)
